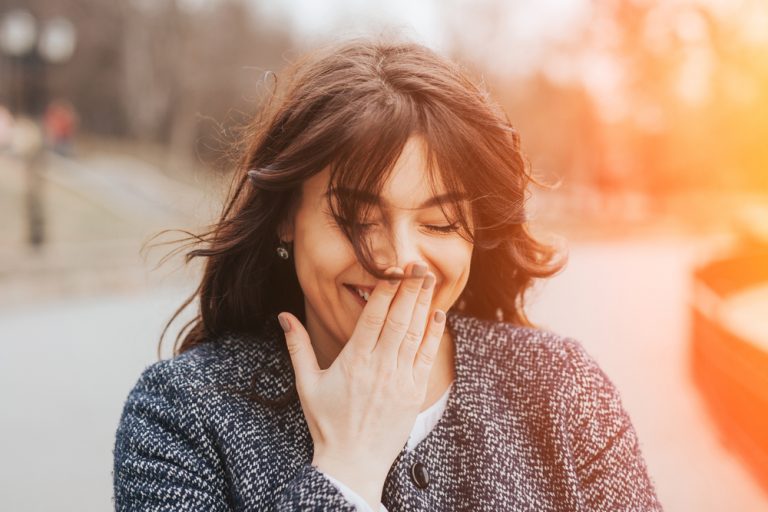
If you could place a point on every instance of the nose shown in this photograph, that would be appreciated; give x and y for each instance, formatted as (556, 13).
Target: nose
(398, 246)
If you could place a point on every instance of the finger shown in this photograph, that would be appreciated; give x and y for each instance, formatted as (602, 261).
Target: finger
(425, 357)
(371, 321)
(300, 349)
(415, 334)
(400, 313)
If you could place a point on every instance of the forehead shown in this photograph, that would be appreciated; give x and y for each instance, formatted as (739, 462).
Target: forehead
(407, 187)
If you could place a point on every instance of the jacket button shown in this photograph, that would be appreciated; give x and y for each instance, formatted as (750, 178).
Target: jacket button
(420, 475)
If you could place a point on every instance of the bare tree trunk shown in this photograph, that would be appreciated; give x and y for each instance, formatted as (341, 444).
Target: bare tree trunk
(147, 84)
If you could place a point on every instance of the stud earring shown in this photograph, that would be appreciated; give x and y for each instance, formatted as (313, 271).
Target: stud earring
(282, 250)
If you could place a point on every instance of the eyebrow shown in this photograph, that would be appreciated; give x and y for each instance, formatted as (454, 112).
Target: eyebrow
(374, 199)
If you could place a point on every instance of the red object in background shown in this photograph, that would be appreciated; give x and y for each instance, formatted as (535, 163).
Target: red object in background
(60, 122)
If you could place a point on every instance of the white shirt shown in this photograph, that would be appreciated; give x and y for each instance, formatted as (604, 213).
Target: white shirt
(425, 422)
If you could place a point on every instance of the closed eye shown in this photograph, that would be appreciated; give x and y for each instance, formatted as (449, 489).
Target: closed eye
(444, 229)
(437, 229)
(450, 228)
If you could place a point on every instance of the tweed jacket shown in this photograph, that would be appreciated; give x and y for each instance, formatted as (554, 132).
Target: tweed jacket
(531, 424)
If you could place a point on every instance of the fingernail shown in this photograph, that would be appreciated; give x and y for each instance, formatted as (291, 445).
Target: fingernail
(428, 281)
(394, 271)
(284, 323)
(418, 270)
(439, 316)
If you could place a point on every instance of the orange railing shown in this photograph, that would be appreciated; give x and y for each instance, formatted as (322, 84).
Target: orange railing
(731, 371)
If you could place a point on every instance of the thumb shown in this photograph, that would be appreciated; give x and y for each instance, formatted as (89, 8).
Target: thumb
(300, 348)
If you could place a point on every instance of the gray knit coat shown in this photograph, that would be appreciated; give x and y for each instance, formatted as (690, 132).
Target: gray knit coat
(531, 424)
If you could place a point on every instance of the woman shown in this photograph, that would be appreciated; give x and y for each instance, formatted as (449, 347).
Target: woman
(379, 211)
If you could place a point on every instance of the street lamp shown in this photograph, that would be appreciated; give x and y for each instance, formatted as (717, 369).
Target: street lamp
(57, 40)
(30, 49)
(18, 33)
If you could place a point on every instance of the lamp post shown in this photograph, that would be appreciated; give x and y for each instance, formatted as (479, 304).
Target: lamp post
(30, 48)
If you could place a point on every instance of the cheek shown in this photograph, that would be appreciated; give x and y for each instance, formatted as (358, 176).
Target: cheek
(453, 262)
(321, 253)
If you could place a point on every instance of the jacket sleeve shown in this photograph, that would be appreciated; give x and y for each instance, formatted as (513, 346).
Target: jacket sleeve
(163, 459)
(360, 504)
(612, 474)
(310, 490)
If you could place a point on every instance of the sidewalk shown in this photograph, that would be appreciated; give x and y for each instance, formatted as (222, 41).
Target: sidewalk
(99, 209)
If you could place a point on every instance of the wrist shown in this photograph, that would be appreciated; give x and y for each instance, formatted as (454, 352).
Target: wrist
(366, 481)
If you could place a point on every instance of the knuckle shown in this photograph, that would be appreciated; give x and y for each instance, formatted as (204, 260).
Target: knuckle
(372, 321)
(293, 347)
(397, 325)
(413, 285)
(384, 373)
(426, 359)
(424, 299)
(390, 289)
(412, 338)
(358, 358)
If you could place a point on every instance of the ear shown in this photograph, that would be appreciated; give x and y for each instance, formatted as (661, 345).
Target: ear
(286, 226)
(285, 231)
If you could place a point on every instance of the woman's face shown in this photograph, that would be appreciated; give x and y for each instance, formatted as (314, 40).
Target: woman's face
(402, 231)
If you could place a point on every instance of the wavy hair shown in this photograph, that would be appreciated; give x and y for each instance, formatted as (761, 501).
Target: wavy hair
(351, 107)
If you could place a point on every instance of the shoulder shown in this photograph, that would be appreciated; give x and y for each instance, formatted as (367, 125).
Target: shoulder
(188, 395)
(516, 348)
(531, 358)
(226, 362)
(171, 424)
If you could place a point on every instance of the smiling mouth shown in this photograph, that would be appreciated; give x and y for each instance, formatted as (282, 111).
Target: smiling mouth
(362, 293)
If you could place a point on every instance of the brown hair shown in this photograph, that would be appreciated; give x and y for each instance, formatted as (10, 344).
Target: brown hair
(352, 106)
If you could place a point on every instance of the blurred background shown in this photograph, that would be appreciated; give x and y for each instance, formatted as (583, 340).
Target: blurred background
(119, 119)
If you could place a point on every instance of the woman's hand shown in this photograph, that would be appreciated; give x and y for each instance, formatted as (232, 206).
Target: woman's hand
(361, 409)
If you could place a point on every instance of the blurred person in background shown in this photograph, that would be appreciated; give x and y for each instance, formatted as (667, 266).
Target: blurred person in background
(60, 122)
(361, 341)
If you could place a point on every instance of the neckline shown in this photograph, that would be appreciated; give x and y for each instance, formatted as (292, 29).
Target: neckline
(441, 401)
